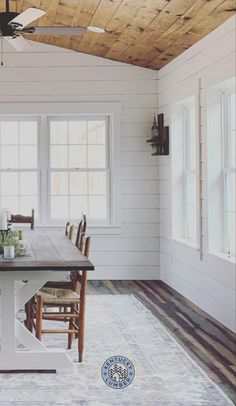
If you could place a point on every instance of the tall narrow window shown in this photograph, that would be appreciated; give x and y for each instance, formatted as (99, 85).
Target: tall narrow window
(19, 164)
(184, 172)
(79, 168)
(190, 203)
(229, 170)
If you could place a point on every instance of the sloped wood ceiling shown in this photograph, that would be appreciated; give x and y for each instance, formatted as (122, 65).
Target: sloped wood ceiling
(147, 33)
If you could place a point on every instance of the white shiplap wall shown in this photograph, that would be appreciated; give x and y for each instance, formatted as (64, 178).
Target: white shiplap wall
(209, 283)
(50, 74)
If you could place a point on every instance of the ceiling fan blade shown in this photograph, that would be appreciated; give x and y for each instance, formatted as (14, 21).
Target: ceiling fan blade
(60, 30)
(19, 43)
(28, 16)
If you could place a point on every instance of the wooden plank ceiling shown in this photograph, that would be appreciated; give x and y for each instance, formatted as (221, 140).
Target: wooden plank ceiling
(147, 33)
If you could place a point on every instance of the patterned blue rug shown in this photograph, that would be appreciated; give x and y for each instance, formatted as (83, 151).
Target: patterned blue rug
(165, 375)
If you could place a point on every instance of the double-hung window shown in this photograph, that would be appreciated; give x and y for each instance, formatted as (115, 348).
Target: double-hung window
(19, 164)
(79, 168)
(221, 168)
(229, 169)
(184, 172)
(62, 162)
(189, 178)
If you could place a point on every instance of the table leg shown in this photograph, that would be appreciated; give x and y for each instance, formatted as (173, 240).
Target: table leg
(35, 356)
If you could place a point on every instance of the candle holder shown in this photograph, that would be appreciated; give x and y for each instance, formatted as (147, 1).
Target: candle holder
(3, 234)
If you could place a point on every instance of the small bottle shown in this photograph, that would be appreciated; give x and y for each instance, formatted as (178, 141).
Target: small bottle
(154, 127)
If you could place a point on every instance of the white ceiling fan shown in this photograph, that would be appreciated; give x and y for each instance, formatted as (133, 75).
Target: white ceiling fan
(13, 25)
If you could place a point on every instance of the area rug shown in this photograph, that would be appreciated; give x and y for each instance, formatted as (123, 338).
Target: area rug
(165, 375)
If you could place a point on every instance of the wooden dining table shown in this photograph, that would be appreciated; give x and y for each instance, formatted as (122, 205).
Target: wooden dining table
(50, 256)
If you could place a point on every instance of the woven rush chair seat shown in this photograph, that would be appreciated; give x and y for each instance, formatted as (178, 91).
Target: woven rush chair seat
(58, 296)
(68, 306)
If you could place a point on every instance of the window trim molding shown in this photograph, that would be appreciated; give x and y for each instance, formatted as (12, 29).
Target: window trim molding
(111, 109)
(215, 99)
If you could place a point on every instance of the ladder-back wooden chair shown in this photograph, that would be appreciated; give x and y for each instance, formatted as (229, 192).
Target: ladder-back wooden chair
(28, 306)
(81, 230)
(71, 299)
(19, 219)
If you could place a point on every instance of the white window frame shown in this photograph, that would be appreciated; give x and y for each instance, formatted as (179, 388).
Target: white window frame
(107, 169)
(188, 171)
(96, 109)
(217, 137)
(227, 169)
(36, 170)
(180, 171)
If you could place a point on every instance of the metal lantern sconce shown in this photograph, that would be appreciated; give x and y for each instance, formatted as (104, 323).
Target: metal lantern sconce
(160, 136)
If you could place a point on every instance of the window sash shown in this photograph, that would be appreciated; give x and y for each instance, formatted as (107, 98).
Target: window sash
(69, 195)
(189, 169)
(19, 170)
(86, 169)
(228, 169)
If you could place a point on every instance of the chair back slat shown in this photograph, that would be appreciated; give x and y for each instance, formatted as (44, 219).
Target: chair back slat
(81, 229)
(20, 219)
(79, 278)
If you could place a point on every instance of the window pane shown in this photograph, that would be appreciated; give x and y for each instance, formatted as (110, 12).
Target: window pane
(9, 183)
(27, 203)
(78, 183)
(9, 157)
(59, 207)
(96, 132)
(232, 149)
(230, 191)
(77, 156)
(28, 157)
(192, 153)
(28, 132)
(192, 123)
(191, 189)
(97, 183)
(9, 132)
(28, 183)
(231, 224)
(59, 183)
(59, 156)
(77, 132)
(191, 223)
(96, 156)
(11, 202)
(232, 111)
(58, 132)
(78, 205)
(97, 207)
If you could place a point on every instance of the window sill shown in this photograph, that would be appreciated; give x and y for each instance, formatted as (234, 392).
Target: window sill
(185, 242)
(223, 257)
(109, 229)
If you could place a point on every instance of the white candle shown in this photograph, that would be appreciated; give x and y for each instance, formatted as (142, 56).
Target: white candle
(3, 220)
(8, 213)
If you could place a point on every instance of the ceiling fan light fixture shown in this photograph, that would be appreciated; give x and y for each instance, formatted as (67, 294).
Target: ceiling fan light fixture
(98, 30)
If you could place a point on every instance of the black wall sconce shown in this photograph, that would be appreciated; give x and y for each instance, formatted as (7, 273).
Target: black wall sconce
(160, 136)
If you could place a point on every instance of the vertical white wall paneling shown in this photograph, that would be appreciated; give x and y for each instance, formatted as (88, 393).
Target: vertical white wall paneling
(209, 283)
(48, 74)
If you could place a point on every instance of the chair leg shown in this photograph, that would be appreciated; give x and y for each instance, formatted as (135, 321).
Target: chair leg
(81, 331)
(70, 335)
(39, 317)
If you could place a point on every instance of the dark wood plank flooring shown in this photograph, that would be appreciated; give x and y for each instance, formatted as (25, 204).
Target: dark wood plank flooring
(209, 343)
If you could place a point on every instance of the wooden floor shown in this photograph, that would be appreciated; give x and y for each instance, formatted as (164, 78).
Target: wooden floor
(209, 343)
